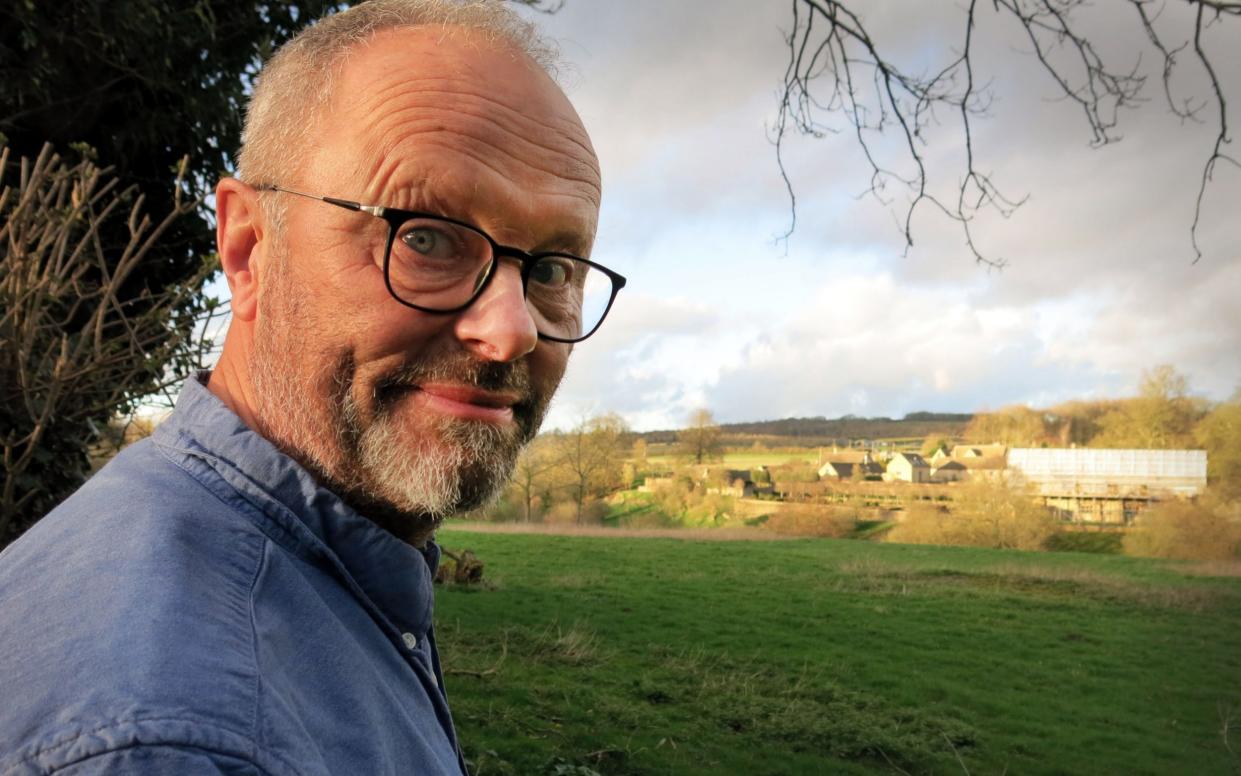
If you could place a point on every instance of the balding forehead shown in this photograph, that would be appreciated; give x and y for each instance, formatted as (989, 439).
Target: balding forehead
(411, 89)
(473, 121)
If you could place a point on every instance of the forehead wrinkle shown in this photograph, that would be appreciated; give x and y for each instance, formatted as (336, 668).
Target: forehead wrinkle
(567, 126)
(479, 148)
(484, 156)
(514, 126)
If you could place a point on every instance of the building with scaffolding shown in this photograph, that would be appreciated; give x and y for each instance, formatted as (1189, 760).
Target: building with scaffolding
(1106, 485)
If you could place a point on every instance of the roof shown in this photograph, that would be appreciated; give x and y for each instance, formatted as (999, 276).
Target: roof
(978, 451)
(1087, 470)
(914, 459)
(986, 463)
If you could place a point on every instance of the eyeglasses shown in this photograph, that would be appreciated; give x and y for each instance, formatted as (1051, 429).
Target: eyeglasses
(441, 265)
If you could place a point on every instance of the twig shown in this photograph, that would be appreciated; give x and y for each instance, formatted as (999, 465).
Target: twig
(957, 754)
(1225, 724)
(837, 68)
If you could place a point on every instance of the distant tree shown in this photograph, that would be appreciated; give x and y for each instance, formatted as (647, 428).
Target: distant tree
(1161, 417)
(700, 440)
(531, 475)
(838, 69)
(590, 456)
(1220, 433)
(934, 442)
(1076, 423)
(639, 452)
(1016, 426)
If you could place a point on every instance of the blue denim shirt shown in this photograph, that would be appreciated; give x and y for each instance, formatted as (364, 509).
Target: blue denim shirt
(201, 605)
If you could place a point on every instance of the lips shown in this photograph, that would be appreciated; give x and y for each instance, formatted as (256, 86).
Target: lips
(467, 402)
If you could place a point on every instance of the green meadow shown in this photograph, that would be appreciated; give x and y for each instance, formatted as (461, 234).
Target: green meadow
(621, 655)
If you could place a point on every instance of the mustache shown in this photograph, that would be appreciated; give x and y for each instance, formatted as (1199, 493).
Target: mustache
(508, 377)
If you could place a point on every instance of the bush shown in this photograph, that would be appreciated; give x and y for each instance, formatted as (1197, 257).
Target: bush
(1185, 530)
(813, 520)
(708, 510)
(985, 514)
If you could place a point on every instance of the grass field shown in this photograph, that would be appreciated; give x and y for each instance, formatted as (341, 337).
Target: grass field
(663, 656)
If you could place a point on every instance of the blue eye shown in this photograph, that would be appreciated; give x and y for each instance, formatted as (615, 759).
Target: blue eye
(552, 272)
(429, 241)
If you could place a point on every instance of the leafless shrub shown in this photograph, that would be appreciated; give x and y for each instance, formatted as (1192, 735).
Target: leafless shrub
(812, 520)
(985, 514)
(82, 335)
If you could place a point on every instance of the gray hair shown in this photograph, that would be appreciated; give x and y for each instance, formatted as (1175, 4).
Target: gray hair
(296, 84)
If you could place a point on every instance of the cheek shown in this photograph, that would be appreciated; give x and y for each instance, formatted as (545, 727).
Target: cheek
(547, 366)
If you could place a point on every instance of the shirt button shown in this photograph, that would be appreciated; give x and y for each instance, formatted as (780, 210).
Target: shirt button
(411, 641)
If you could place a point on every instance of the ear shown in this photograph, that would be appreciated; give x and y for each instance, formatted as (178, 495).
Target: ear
(239, 236)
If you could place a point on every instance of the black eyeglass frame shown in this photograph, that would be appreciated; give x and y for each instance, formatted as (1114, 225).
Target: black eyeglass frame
(396, 217)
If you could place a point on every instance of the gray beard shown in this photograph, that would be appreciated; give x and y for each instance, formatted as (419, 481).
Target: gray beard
(406, 487)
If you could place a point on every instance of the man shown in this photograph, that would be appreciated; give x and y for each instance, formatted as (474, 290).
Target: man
(249, 590)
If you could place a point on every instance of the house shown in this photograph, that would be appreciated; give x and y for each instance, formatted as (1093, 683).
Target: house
(993, 468)
(654, 483)
(733, 482)
(836, 469)
(948, 470)
(843, 466)
(908, 467)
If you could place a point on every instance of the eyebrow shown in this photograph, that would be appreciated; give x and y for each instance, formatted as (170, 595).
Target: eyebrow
(420, 197)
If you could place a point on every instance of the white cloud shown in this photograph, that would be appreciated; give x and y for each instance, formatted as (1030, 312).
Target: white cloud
(1099, 285)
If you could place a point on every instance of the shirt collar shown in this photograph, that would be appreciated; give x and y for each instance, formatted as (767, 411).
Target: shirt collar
(313, 522)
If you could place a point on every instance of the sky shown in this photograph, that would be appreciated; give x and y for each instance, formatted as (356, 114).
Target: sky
(679, 99)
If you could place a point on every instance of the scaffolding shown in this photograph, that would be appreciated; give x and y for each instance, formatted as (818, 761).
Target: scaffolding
(1108, 485)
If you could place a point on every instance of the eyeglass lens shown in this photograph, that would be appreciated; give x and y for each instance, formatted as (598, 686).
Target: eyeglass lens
(439, 265)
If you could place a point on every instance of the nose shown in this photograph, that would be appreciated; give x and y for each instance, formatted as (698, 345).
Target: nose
(498, 326)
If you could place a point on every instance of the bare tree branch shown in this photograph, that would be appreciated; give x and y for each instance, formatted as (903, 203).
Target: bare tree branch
(837, 68)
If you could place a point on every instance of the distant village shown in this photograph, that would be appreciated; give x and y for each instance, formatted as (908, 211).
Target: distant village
(1087, 485)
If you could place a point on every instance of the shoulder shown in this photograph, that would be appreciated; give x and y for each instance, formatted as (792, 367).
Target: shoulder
(126, 619)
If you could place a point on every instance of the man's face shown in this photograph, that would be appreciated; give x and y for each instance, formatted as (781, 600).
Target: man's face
(398, 410)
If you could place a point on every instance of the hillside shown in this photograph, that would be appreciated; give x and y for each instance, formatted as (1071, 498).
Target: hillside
(824, 431)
